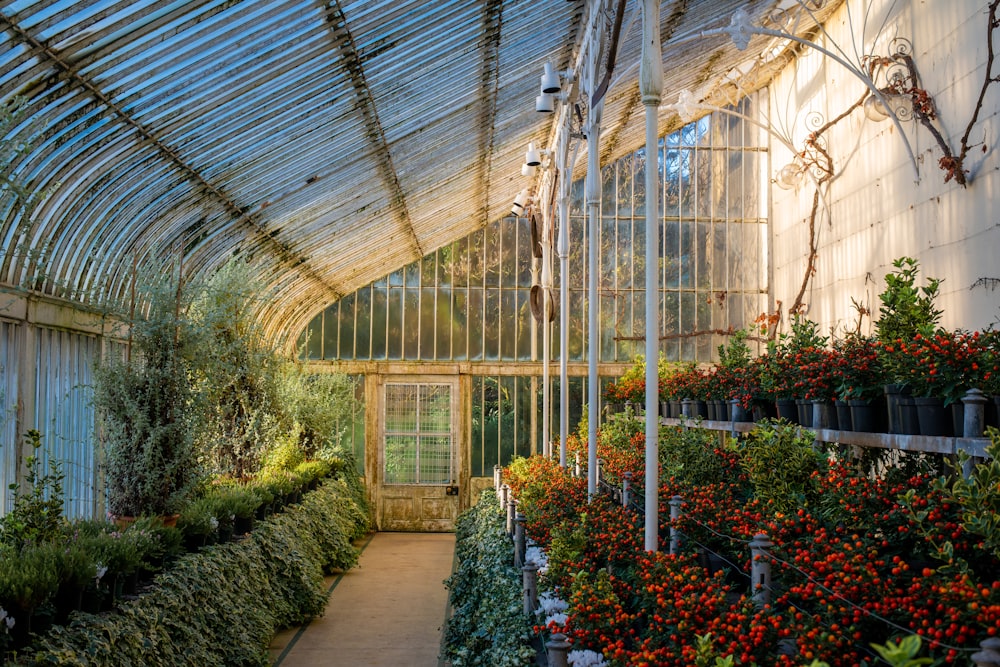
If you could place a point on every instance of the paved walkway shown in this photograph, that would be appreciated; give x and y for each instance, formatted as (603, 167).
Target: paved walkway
(390, 610)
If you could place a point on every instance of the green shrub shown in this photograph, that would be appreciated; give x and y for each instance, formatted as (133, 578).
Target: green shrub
(222, 605)
(488, 625)
(780, 464)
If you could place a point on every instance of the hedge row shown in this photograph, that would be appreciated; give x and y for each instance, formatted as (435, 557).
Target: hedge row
(488, 625)
(223, 604)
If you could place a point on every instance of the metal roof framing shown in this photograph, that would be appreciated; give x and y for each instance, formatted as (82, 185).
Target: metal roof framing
(328, 142)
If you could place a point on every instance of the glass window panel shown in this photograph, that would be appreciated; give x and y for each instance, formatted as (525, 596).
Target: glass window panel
(609, 199)
(443, 264)
(491, 247)
(703, 322)
(525, 323)
(701, 253)
(346, 348)
(508, 252)
(577, 323)
(669, 325)
(380, 306)
(638, 256)
(460, 314)
(490, 413)
(524, 256)
(687, 324)
(577, 253)
(515, 418)
(329, 330)
(435, 460)
(671, 254)
(624, 257)
(363, 334)
(396, 278)
(428, 270)
(314, 337)
(608, 328)
(400, 408)
(443, 327)
(411, 323)
(477, 242)
(428, 321)
(400, 459)
(412, 272)
(608, 254)
(394, 342)
(475, 314)
(720, 277)
(687, 259)
(508, 325)
(491, 324)
(435, 408)
(637, 197)
(460, 262)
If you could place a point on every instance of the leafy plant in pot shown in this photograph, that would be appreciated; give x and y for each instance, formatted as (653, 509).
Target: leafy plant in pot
(144, 400)
(906, 310)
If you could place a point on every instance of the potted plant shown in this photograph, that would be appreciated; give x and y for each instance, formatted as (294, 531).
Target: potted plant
(198, 523)
(906, 310)
(859, 381)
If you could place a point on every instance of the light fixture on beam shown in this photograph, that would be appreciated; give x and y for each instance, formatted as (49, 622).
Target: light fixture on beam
(552, 80)
(790, 176)
(520, 202)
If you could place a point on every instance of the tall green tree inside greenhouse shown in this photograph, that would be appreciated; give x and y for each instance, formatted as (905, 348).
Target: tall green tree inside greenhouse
(145, 400)
(237, 374)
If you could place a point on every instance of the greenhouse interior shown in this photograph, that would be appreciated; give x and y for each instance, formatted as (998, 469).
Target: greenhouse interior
(327, 333)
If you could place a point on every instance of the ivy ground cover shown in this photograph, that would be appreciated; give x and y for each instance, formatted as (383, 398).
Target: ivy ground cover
(881, 559)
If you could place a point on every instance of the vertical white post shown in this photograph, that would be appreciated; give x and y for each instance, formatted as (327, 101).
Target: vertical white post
(546, 333)
(651, 89)
(562, 249)
(593, 195)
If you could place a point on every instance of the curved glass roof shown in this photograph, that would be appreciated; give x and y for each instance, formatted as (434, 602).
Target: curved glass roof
(329, 142)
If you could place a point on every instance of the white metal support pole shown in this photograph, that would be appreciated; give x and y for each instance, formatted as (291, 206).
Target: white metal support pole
(593, 188)
(562, 249)
(651, 89)
(546, 330)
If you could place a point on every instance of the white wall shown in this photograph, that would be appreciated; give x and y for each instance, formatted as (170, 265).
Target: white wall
(879, 207)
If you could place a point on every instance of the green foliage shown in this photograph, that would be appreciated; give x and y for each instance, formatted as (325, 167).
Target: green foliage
(145, 404)
(37, 512)
(198, 518)
(488, 625)
(903, 653)
(237, 371)
(688, 455)
(286, 455)
(28, 578)
(977, 499)
(222, 605)
(906, 309)
(780, 464)
(736, 353)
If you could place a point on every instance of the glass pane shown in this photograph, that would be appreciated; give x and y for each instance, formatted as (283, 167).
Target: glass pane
(428, 270)
(380, 305)
(435, 408)
(508, 253)
(400, 408)
(608, 328)
(475, 315)
(445, 259)
(331, 326)
(491, 324)
(314, 338)
(525, 323)
(346, 349)
(428, 321)
(435, 460)
(508, 324)
(400, 459)
(460, 263)
(577, 323)
(411, 323)
(687, 256)
(477, 243)
(413, 274)
(459, 324)
(492, 255)
(442, 332)
(523, 253)
(507, 417)
(363, 334)
(394, 344)
(526, 393)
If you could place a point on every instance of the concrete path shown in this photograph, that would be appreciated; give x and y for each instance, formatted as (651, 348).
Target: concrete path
(390, 610)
